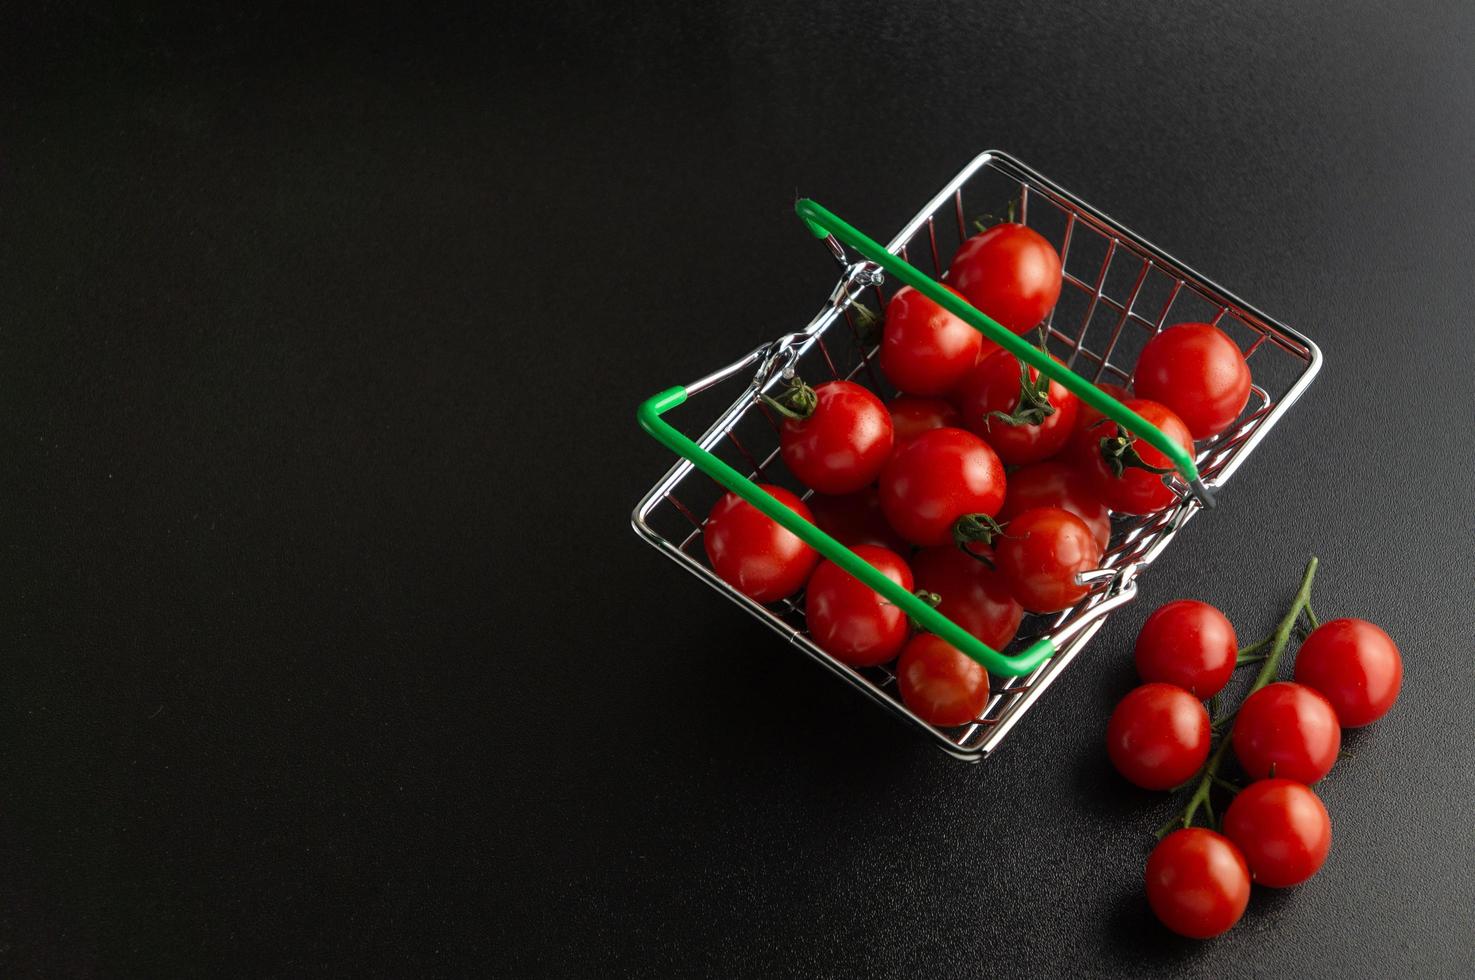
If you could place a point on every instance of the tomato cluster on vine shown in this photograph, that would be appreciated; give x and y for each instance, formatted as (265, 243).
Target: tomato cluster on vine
(1286, 736)
(982, 484)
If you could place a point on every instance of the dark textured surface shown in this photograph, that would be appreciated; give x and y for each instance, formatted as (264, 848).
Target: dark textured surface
(325, 645)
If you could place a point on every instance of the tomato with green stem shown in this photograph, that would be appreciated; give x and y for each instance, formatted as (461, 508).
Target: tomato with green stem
(1282, 829)
(1288, 730)
(1198, 883)
(1025, 415)
(1010, 272)
(944, 485)
(1085, 441)
(1158, 736)
(835, 437)
(1355, 665)
(752, 552)
(940, 684)
(970, 592)
(924, 348)
(850, 620)
(1126, 471)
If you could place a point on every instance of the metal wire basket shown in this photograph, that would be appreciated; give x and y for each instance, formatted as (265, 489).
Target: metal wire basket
(1118, 291)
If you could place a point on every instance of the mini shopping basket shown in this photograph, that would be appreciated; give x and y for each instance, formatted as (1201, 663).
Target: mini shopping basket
(1118, 291)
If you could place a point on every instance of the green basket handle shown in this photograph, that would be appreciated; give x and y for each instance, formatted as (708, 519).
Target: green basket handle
(824, 224)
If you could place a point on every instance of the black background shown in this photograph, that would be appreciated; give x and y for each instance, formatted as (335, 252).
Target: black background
(325, 644)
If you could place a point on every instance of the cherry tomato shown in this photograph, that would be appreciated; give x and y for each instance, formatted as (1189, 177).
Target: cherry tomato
(911, 416)
(973, 595)
(1355, 666)
(1137, 491)
(1190, 644)
(1158, 736)
(939, 683)
(1085, 440)
(752, 553)
(995, 385)
(856, 518)
(848, 619)
(937, 478)
(842, 444)
(1282, 829)
(1287, 730)
(1040, 553)
(924, 348)
(1009, 272)
(1055, 484)
(1198, 372)
(1197, 883)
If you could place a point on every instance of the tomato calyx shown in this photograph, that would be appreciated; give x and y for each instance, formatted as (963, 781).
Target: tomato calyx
(932, 599)
(1209, 779)
(868, 324)
(1034, 405)
(1120, 453)
(797, 402)
(987, 220)
(976, 528)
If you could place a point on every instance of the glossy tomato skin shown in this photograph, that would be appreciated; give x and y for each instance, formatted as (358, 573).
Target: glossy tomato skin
(856, 518)
(1288, 728)
(1282, 829)
(848, 619)
(1009, 272)
(1190, 644)
(973, 595)
(1040, 554)
(924, 348)
(1056, 484)
(752, 553)
(912, 415)
(1354, 665)
(1197, 883)
(1138, 491)
(1083, 442)
(843, 444)
(939, 683)
(1158, 736)
(993, 386)
(935, 479)
(1198, 372)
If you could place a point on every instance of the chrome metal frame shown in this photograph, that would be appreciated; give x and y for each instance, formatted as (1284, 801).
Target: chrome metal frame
(1136, 541)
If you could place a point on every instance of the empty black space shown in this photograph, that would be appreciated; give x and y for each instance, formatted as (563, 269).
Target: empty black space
(326, 648)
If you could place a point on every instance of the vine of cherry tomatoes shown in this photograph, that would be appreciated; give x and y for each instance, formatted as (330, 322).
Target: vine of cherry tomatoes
(979, 482)
(1275, 831)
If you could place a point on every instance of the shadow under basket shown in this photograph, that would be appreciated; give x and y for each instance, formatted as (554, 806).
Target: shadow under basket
(1119, 290)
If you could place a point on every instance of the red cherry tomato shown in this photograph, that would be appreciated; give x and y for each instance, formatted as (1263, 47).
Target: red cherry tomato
(995, 386)
(1190, 644)
(924, 348)
(973, 595)
(1158, 736)
(856, 518)
(1084, 441)
(939, 683)
(844, 442)
(1355, 666)
(1040, 553)
(848, 619)
(1009, 272)
(1137, 491)
(937, 478)
(1197, 883)
(911, 416)
(1282, 829)
(1287, 730)
(752, 553)
(1055, 484)
(1198, 372)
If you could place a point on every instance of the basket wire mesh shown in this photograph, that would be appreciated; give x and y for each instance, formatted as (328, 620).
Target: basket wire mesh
(1118, 291)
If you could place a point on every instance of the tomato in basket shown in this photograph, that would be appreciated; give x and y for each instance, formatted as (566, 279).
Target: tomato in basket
(1126, 471)
(850, 620)
(1025, 416)
(836, 436)
(924, 348)
(912, 415)
(1040, 554)
(934, 485)
(1009, 272)
(754, 554)
(1198, 372)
